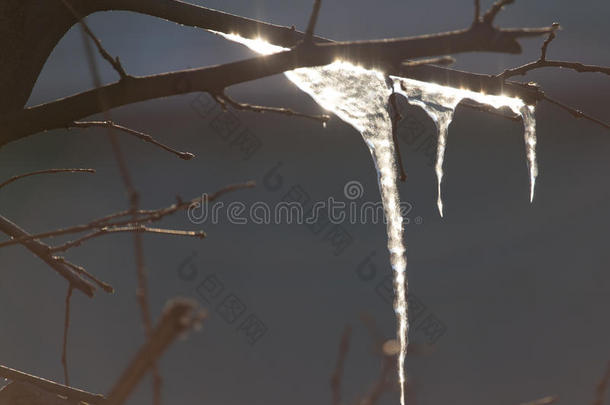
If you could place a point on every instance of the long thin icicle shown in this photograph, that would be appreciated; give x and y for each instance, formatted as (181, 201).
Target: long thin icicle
(359, 97)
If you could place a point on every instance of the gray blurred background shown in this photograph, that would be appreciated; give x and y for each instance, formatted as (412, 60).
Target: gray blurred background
(520, 291)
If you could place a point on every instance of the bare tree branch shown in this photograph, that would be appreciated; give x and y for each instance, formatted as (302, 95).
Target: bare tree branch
(542, 62)
(335, 379)
(81, 270)
(222, 98)
(42, 250)
(577, 113)
(140, 135)
(490, 15)
(46, 171)
(50, 386)
(179, 316)
(144, 216)
(313, 19)
(114, 62)
(602, 387)
(64, 350)
(61, 113)
(130, 229)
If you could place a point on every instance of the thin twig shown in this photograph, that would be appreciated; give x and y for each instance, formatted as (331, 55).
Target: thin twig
(81, 270)
(335, 379)
(114, 62)
(576, 66)
(542, 62)
(179, 316)
(313, 19)
(222, 98)
(577, 113)
(495, 8)
(64, 350)
(602, 387)
(134, 200)
(140, 135)
(47, 171)
(477, 11)
(145, 216)
(41, 250)
(548, 40)
(51, 386)
(132, 229)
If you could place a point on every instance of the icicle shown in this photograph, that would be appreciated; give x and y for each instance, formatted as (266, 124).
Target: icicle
(439, 103)
(440, 106)
(529, 133)
(359, 97)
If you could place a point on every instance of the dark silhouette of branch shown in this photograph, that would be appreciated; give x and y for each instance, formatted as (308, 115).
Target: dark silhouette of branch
(42, 250)
(50, 386)
(64, 350)
(577, 113)
(337, 376)
(46, 171)
(114, 62)
(490, 15)
(602, 387)
(140, 135)
(223, 100)
(542, 62)
(61, 113)
(179, 316)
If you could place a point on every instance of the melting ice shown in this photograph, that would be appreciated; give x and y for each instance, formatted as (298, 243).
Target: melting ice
(359, 97)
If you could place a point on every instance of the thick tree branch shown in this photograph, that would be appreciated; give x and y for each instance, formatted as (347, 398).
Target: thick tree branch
(50, 386)
(62, 112)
